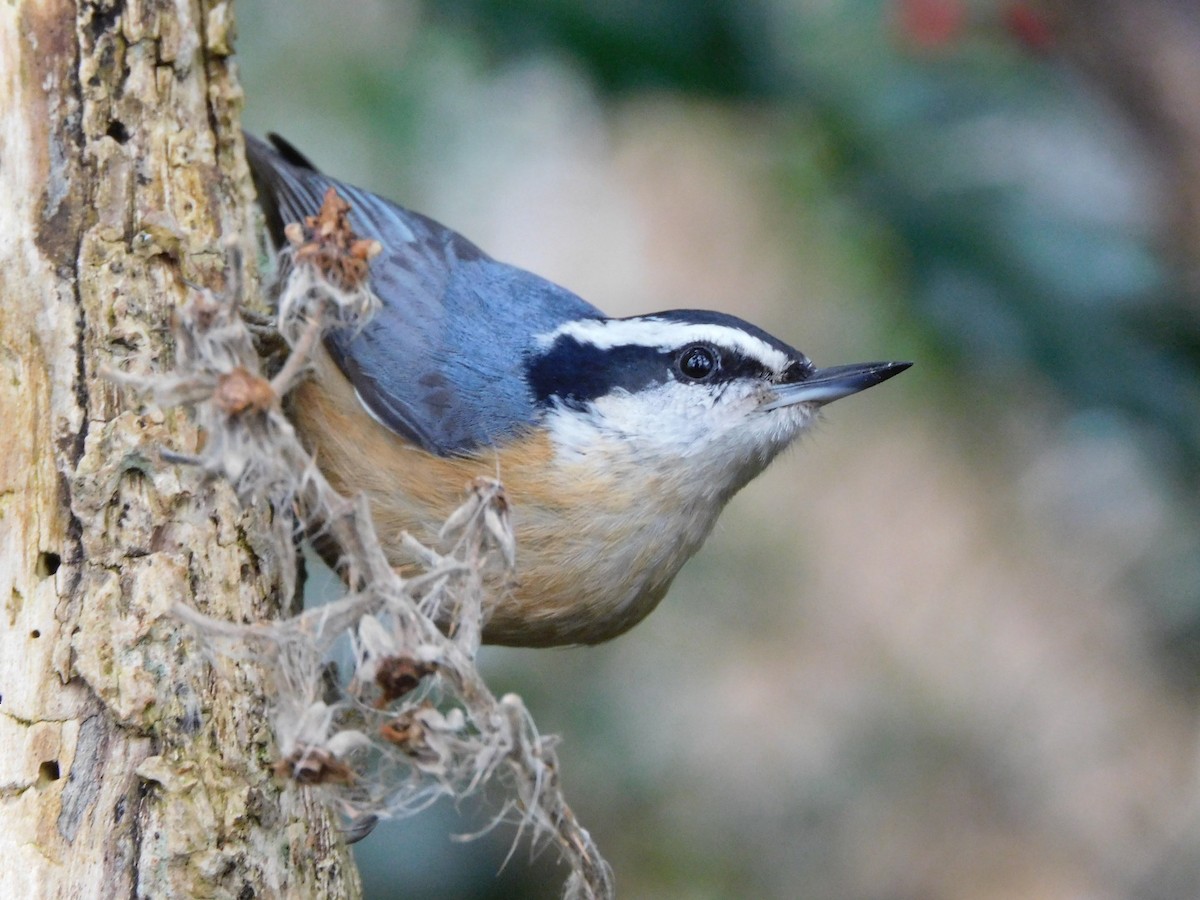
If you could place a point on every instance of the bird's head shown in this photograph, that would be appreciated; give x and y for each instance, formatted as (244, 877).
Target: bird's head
(705, 392)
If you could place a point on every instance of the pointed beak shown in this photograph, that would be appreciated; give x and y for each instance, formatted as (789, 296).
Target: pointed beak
(826, 385)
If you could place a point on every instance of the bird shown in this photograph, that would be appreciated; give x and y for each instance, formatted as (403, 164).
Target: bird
(618, 440)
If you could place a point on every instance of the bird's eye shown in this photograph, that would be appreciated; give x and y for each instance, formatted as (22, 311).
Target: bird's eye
(697, 362)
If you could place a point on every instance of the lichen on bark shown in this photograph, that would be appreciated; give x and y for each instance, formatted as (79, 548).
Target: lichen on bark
(125, 768)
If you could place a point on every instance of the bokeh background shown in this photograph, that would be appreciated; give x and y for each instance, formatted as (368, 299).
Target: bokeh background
(949, 647)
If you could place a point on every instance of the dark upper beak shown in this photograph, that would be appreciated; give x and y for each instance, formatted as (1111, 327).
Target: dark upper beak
(826, 385)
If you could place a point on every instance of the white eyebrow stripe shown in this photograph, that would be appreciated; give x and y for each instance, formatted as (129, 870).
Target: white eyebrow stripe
(664, 334)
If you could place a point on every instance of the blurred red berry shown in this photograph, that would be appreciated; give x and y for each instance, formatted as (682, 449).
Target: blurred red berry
(1029, 26)
(930, 24)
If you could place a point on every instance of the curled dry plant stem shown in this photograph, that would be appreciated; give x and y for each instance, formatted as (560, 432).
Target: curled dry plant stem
(417, 721)
(294, 365)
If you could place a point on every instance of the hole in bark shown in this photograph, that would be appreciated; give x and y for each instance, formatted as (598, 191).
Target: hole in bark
(35, 634)
(47, 564)
(104, 20)
(48, 771)
(117, 131)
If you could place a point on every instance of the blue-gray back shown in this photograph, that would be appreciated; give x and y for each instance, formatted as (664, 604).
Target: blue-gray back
(443, 362)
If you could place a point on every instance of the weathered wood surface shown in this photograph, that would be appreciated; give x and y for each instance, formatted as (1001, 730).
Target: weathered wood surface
(125, 769)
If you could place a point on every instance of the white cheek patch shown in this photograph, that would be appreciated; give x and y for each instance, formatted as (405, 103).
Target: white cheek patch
(662, 421)
(673, 416)
(671, 422)
(695, 452)
(665, 335)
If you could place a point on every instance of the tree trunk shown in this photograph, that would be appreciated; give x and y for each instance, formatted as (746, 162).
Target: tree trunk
(125, 769)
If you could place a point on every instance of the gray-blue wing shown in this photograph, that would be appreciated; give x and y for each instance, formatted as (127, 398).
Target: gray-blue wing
(443, 361)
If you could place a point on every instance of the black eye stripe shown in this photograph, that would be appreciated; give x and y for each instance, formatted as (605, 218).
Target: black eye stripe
(576, 372)
(734, 365)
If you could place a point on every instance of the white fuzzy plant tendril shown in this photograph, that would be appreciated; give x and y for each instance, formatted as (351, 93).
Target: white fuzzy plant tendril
(417, 721)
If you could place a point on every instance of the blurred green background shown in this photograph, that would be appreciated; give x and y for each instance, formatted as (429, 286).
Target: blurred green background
(949, 646)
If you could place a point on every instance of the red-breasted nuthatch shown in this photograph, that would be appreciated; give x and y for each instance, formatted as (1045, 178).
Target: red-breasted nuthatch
(618, 441)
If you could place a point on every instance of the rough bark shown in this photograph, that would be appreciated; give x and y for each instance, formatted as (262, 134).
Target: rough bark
(125, 768)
